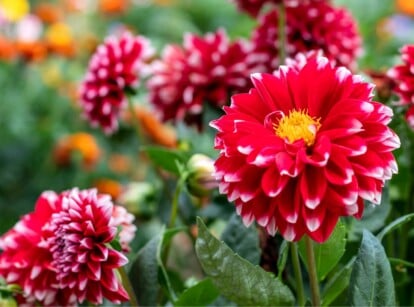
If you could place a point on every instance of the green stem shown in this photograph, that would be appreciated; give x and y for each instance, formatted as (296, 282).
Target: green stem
(128, 287)
(300, 293)
(313, 277)
(282, 33)
(174, 208)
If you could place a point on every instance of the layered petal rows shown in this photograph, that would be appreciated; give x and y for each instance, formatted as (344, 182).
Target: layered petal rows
(403, 76)
(205, 69)
(113, 68)
(60, 255)
(311, 25)
(305, 146)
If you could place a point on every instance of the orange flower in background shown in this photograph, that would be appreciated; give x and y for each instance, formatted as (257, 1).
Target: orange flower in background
(48, 13)
(60, 39)
(157, 131)
(7, 49)
(119, 163)
(82, 143)
(113, 6)
(108, 186)
(31, 51)
(406, 6)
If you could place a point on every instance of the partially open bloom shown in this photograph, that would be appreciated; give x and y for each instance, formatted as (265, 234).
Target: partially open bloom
(205, 69)
(403, 76)
(314, 25)
(113, 68)
(60, 254)
(124, 221)
(305, 146)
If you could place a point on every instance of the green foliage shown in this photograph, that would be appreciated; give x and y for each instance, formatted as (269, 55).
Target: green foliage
(201, 294)
(236, 278)
(327, 254)
(166, 159)
(371, 282)
(144, 274)
(395, 224)
(337, 284)
(242, 240)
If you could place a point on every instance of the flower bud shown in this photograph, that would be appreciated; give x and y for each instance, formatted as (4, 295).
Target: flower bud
(200, 180)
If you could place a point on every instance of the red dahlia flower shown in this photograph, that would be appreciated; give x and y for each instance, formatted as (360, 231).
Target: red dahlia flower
(112, 69)
(403, 76)
(25, 258)
(206, 69)
(305, 146)
(78, 238)
(59, 253)
(314, 25)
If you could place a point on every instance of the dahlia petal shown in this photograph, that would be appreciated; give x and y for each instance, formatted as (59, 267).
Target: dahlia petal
(286, 164)
(312, 186)
(272, 182)
(94, 270)
(289, 204)
(314, 217)
(339, 170)
(110, 281)
(325, 230)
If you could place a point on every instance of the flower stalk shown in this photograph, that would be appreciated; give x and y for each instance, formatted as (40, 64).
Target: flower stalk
(128, 287)
(300, 293)
(282, 33)
(313, 277)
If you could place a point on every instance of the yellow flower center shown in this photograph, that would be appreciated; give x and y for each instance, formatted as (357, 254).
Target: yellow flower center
(297, 125)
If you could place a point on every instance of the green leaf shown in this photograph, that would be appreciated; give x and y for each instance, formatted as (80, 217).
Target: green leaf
(337, 284)
(282, 259)
(395, 224)
(328, 254)
(144, 273)
(163, 247)
(237, 279)
(371, 281)
(242, 240)
(164, 158)
(201, 294)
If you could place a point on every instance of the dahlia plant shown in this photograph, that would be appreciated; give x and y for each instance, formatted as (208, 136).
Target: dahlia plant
(256, 157)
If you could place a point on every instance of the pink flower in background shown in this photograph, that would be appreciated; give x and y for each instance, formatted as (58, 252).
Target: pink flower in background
(305, 146)
(113, 69)
(314, 25)
(124, 220)
(403, 76)
(205, 69)
(60, 254)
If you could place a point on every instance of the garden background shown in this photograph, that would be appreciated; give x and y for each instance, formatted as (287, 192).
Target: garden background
(46, 144)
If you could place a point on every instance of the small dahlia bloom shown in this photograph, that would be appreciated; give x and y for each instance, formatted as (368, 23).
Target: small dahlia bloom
(113, 68)
(60, 255)
(78, 238)
(205, 69)
(305, 146)
(311, 25)
(403, 76)
(124, 221)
